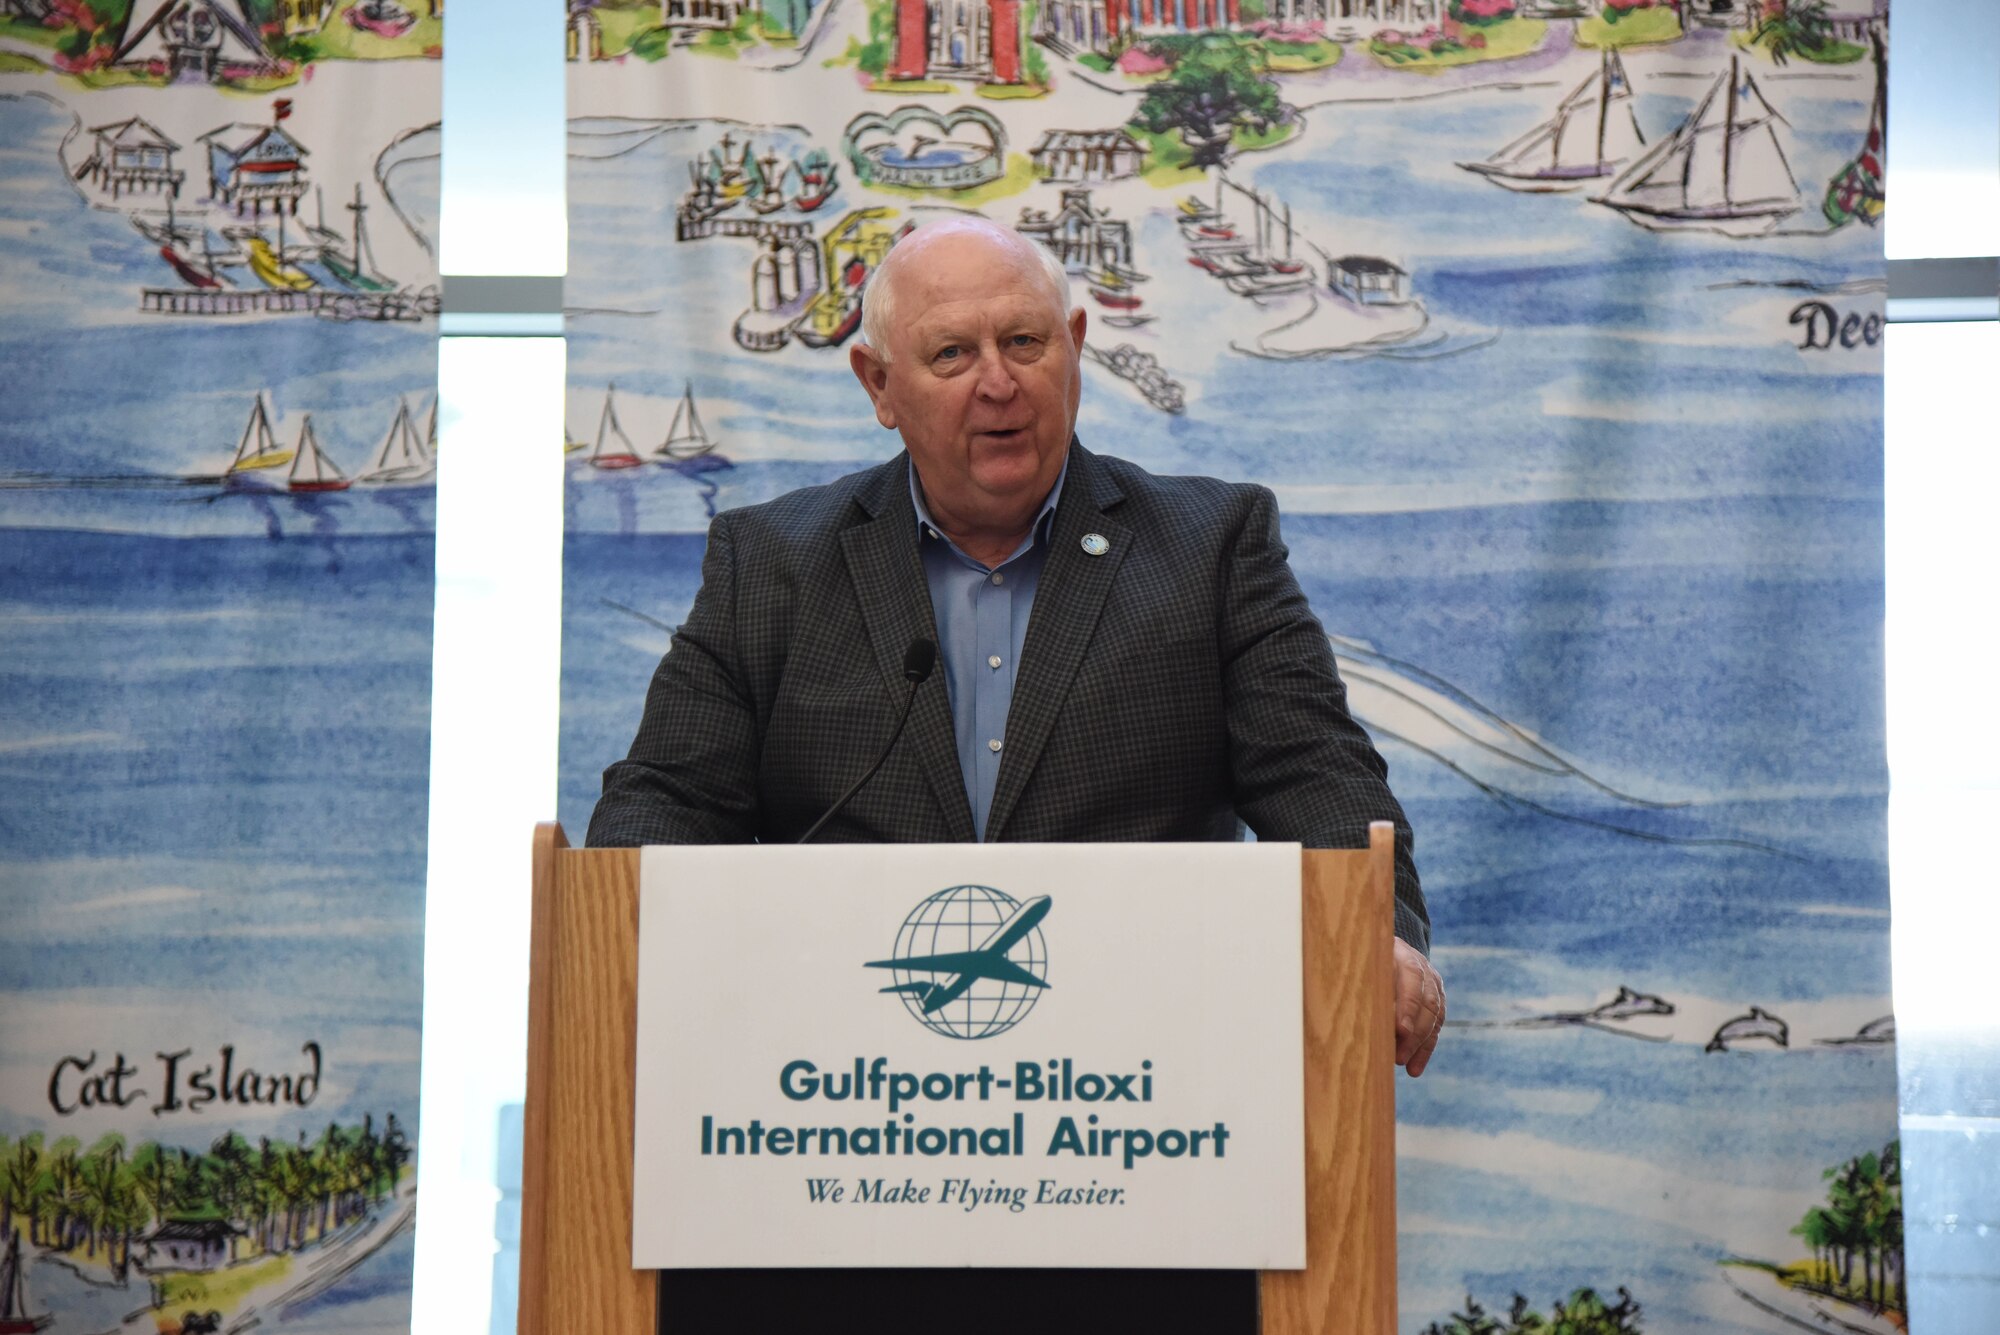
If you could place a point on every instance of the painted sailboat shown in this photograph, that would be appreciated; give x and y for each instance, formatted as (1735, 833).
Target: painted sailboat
(1114, 292)
(172, 232)
(354, 266)
(189, 274)
(1114, 299)
(771, 193)
(402, 456)
(818, 179)
(259, 447)
(613, 448)
(273, 271)
(1722, 170)
(175, 238)
(1593, 133)
(1856, 190)
(705, 199)
(1247, 259)
(686, 437)
(1287, 272)
(15, 1319)
(741, 178)
(311, 469)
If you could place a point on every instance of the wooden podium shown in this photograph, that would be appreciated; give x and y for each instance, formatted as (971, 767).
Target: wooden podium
(576, 1190)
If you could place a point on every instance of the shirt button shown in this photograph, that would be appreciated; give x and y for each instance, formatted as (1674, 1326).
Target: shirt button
(993, 744)
(993, 661)
(999, 578)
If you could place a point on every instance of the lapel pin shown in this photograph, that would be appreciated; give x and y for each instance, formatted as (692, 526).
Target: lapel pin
(1096, 544)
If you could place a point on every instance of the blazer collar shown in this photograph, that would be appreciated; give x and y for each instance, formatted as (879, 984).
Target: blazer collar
(888, 577)
(1068, 602)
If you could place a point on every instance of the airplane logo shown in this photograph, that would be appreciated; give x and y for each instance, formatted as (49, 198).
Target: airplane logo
(959, 970)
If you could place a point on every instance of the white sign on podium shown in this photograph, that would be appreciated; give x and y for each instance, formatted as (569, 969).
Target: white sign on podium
(966, 1055)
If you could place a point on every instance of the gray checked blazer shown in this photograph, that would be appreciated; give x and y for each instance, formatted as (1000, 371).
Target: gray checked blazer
(1176, 688)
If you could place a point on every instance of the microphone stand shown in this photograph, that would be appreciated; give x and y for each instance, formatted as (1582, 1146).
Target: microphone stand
(917, 661)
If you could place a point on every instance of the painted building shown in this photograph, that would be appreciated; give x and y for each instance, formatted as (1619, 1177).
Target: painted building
(252, 168)
(1091, 25)
(208, 40)
(191, 1244)
(585, 40)
(304, 16)
(977, 40)
(705, 13)
(1088, 155)
(785, 270)
(1370, 280)
(131, 157)
(1851, 22)
(789, 16)
(1182, 15)
(1722, 13)
(1363, 16)
(1081, 237)
(1846, 20)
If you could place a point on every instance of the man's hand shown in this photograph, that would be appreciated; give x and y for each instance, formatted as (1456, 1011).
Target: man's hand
(1419, 1008)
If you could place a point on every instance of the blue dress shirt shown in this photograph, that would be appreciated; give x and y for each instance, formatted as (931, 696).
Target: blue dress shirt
(981, 613)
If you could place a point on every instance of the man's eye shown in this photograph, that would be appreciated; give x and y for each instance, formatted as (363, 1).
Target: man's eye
(947, 354)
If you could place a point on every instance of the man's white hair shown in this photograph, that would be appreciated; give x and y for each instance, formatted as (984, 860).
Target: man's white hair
(878, 301)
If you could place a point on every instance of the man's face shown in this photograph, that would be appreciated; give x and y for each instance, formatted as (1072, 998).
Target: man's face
(983, 377)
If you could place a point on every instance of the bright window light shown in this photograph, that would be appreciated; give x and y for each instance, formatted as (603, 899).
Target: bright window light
(504, 127)
(1944, 733)
(495, 676)
(1944, 129)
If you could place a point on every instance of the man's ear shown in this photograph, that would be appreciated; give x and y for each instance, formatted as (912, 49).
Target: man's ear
(1078, 318)
(874, 377)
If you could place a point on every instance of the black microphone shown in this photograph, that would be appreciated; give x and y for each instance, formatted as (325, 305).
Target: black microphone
(918, 660)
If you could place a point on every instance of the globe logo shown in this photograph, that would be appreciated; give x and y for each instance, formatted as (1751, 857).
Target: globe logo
(970, 961)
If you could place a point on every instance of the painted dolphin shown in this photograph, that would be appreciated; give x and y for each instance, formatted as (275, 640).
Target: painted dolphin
(1610, 1016)
(1759, 1023)
(1874, 1032)
(1628, 1005)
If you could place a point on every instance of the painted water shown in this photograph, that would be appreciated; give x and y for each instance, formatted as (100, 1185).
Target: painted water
(214, 728)
(1608, 500)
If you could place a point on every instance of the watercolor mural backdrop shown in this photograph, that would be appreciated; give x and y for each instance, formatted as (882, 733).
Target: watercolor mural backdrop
(217, 265)
(1556, 327)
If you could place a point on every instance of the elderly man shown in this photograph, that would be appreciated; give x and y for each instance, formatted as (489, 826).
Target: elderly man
(1125, 657)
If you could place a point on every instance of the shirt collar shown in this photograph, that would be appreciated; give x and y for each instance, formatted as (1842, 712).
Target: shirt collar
(1035, 530)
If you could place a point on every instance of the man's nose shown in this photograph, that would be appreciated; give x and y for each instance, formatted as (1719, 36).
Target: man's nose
(996, 376)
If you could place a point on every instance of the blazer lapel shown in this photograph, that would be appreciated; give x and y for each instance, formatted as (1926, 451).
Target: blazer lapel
(1068, 602)
(895, 601)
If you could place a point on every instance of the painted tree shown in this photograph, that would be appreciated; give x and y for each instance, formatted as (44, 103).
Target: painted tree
(232, 1180)
(62, 1204)
(1584, 1312)
(1474, 1320)
(1216, 87)
(22, 1178)
(7, 1196)
(100, 1201)
(1793, 28)
(1861, 1220)
(111, 1204)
